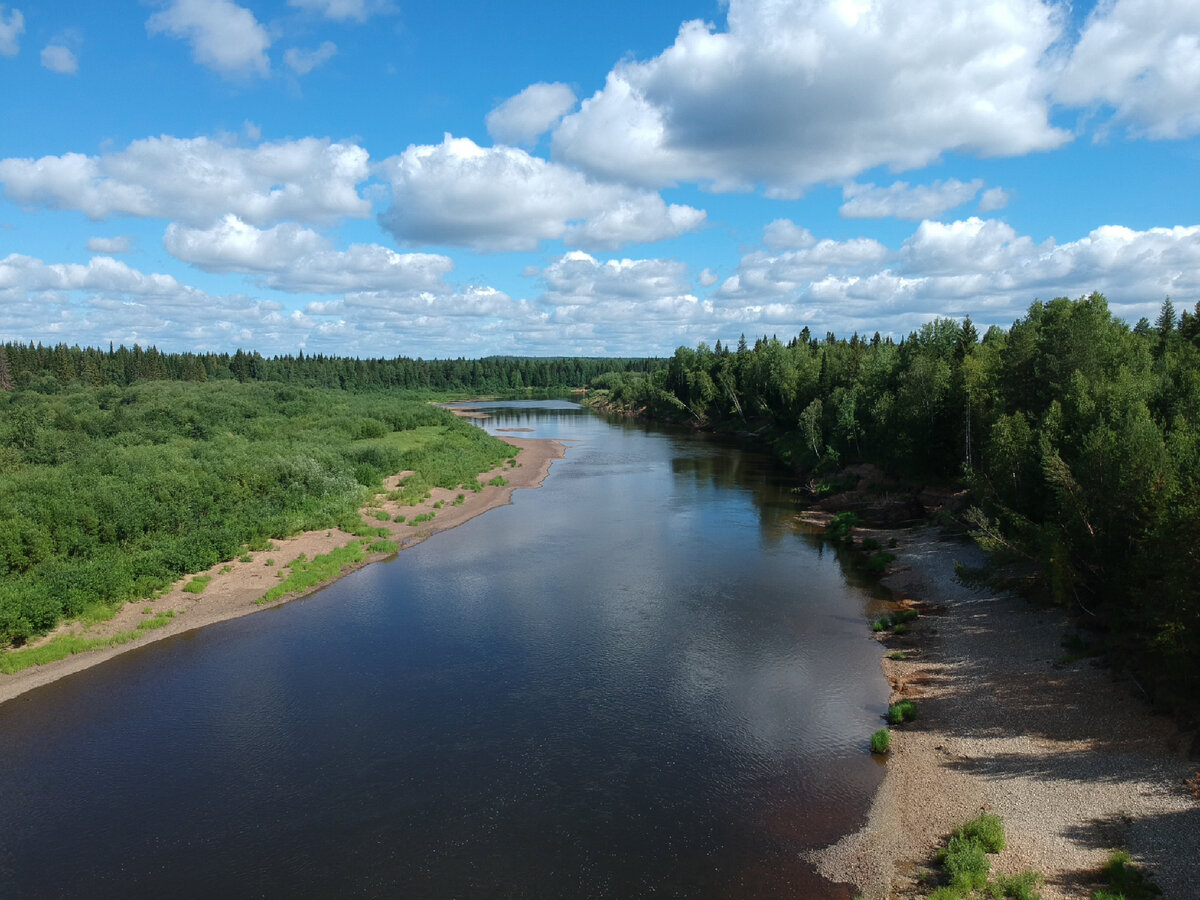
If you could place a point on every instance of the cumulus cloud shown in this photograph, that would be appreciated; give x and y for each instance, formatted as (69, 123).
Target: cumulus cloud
(304, 61)
(293, 258)
(60, 59)
(501, 198)
(198, 180)
(122, 243)
(522, 119)
(1141, 58)
(343, 10)
(974, 266)
(12, 26)
(225, 37)
(900, 201)
(794, 94)
(993, 199)
(784, 234)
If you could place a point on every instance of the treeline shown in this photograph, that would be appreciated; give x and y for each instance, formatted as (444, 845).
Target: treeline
(47, 369)
(108, 494)
(1077, 435)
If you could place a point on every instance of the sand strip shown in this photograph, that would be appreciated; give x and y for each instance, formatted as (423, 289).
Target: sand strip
(1067, 753)
(237, 584)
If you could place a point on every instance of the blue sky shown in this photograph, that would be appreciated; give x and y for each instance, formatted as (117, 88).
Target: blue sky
(378, 177)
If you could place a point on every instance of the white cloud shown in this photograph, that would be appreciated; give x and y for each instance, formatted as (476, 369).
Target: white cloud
(973, 266)
(925, 201)
(993, 199)
(708, 278)
(12, 27)
(225, 37)
(522, 119)
(344, 10)
(198, 180)
(784, 234)
(234, 246)
(799, 93)
(1142, 59)
(501, 198)
(60, 59)
(122, 243)
(297, 259)
(304, 61)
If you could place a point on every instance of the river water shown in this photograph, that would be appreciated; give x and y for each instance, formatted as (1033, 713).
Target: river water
(639, 680)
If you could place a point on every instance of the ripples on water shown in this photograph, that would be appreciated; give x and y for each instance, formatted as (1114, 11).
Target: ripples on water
(637, 680)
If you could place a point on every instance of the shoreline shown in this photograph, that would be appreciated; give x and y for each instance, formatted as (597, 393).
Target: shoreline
(1065, 752)
(236, 585)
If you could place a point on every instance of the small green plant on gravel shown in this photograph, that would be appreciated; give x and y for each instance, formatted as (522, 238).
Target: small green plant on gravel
(423, 517)
(225, 570)
(1126, 881)
(498, 481)
(883, 623)
(904, 711)
(439, 504)
(870, 544)
(197, 584)
(399, 518)
(460, 500)
(1016, 887)
(905, 615)
(245, 557)
(381, 515)
(987, 828)
(158, 621)
(897, 655)
(269, 562)
(966, 863)
(840, 527)
(900, 630)
(881, 741)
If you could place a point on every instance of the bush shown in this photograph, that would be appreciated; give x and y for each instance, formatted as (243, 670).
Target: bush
(881, 741)
(904, 711)
(1017, 887)
(1126, 880)
(840, 527)
(881, 624)
(900, 630)
(986, 828)
(966, 863)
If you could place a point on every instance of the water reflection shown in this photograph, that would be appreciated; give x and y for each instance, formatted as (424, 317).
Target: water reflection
(638, 679)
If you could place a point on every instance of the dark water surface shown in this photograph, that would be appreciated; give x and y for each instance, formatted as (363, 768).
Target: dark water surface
(639, 680)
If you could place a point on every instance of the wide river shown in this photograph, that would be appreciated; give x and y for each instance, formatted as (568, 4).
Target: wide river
(640, 680)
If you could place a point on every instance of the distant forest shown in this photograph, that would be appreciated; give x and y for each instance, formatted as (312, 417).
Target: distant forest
(46, 369)
(1078, 437)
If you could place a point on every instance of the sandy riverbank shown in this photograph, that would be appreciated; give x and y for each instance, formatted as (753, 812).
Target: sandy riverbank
(1066, 753)
(236, 585)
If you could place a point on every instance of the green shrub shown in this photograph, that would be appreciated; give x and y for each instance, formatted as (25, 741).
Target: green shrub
(840, 527)
(878, 562)
(881, 741)
(1016, 887)
(197, 584)
(896, 654)
(986, 828)
(881, 624)
(1127, 880)
(966, 863)
(905, 615)
(870, 545)
(900, 630)
(904, 711)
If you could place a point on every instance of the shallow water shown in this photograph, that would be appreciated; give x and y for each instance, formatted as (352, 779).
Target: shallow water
(639, 679)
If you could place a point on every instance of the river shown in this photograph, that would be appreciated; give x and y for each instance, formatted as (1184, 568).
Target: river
(639, 680)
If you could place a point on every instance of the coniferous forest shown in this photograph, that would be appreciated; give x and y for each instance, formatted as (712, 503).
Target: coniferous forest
(1077, 436)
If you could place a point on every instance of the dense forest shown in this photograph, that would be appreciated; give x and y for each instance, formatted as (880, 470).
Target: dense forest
(108, 494)
(48, 369)
(1078, 437)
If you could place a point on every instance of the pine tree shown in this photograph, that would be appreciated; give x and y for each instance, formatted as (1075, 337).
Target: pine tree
(6, 383)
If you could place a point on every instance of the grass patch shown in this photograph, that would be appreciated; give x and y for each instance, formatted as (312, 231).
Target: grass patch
(197, 584)
(883, 623)
(905, 615)
(840, 527)
(158, 621)
(1126, 881)
(225, 570)
(985, 828)
(382, 546)
(380, 515)
(904, 711)
(964, 860)
(439, 504)
(897, 655)
(307, 573)
(400, 518)
(460, 500)
(900, 629)
(881, 741)
(878, 562)
(423, 517)
(498, 481)
(245, 557)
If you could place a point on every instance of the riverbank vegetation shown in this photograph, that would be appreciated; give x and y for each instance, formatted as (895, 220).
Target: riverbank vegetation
(109, 494)
(1076, 436)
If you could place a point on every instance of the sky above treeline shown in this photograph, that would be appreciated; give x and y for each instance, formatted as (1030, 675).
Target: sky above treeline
(390, 177)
